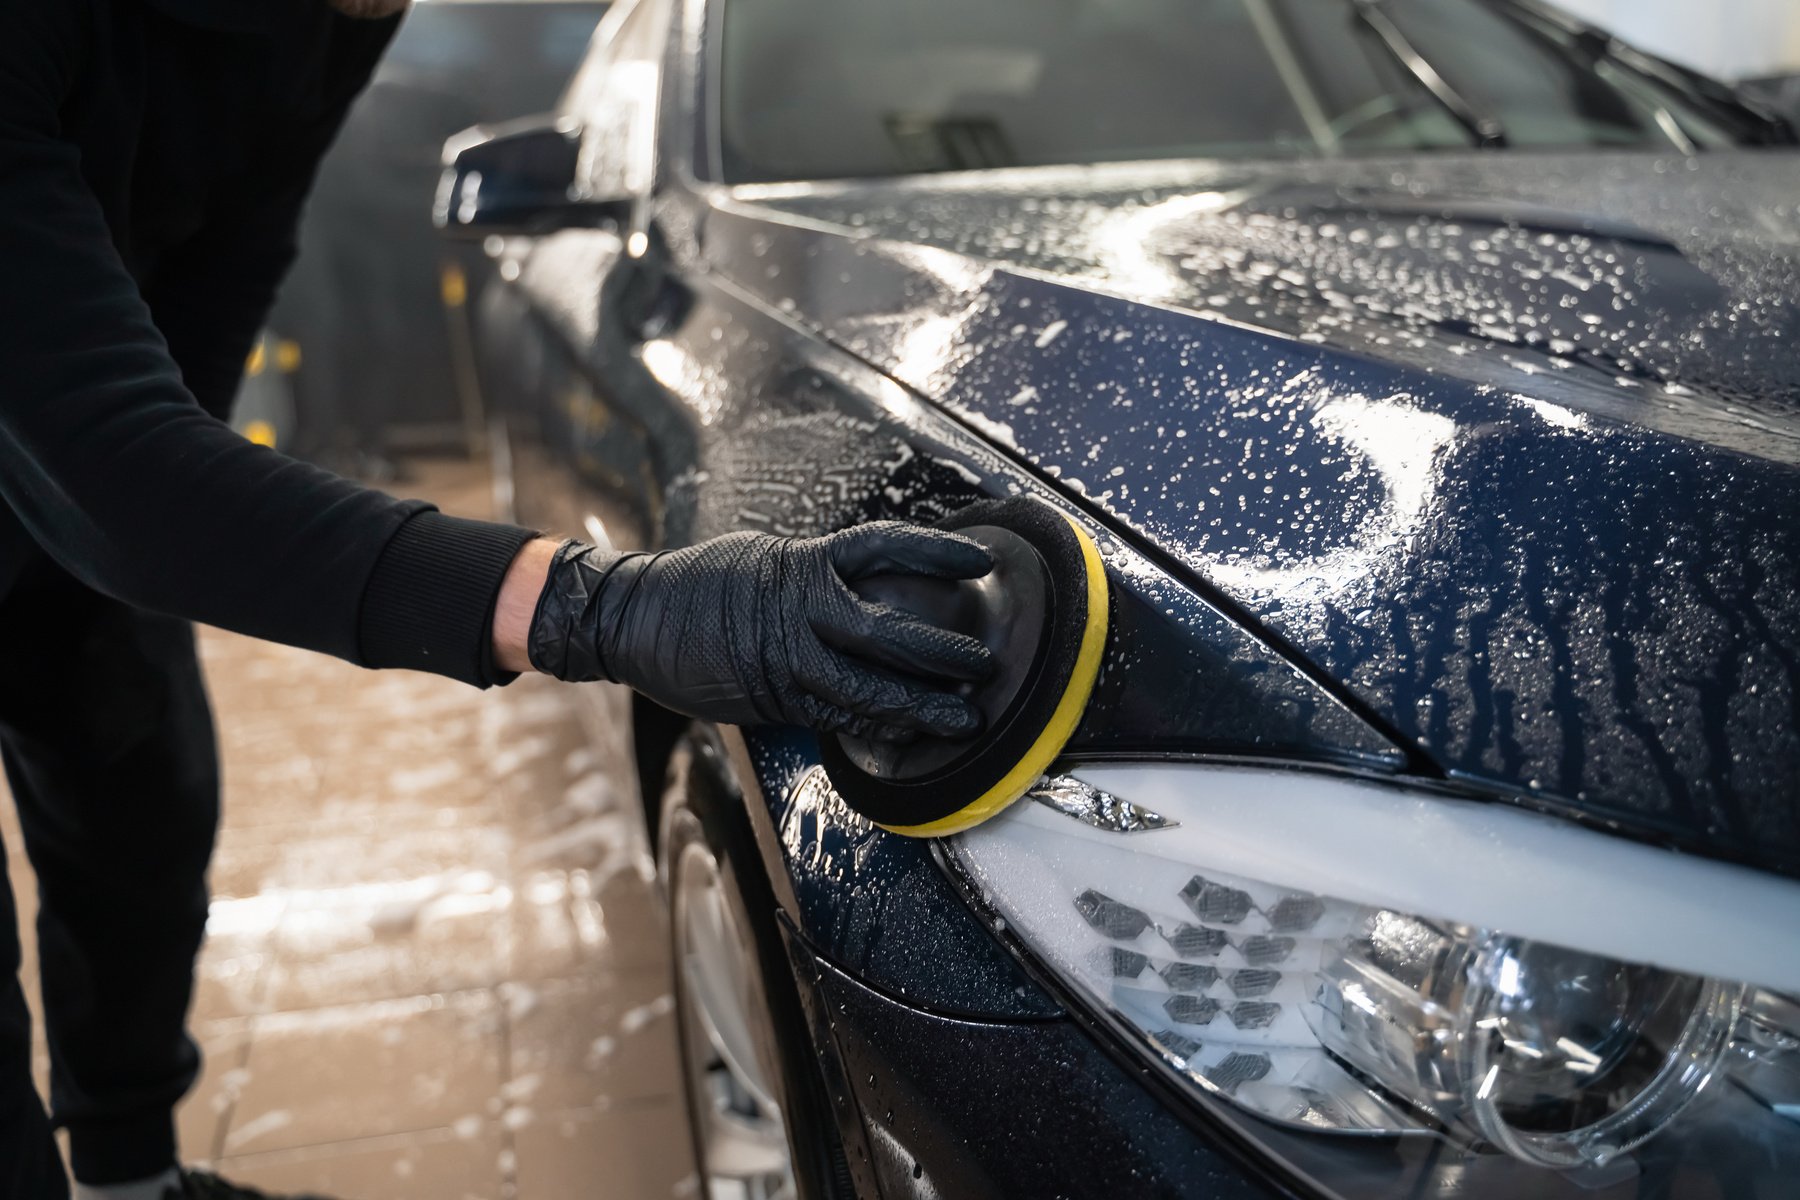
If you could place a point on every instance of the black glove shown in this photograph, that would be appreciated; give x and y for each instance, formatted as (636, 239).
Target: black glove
(751, 629)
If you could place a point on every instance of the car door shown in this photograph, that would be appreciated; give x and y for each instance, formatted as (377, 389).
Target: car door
(595, 440)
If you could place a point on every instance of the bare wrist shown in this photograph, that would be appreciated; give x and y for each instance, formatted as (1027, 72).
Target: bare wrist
(517, 602)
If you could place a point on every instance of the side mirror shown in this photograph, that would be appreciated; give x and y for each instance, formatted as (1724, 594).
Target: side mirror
(518, 178)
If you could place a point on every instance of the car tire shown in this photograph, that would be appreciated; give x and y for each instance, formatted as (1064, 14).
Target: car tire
(748, 1063)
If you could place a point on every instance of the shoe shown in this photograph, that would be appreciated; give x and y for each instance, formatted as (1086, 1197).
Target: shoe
(204, 1185)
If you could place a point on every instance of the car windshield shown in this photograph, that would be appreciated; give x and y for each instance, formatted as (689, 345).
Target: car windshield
(816, 89)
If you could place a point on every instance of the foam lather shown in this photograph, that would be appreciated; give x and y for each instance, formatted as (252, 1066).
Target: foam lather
(1042, 611)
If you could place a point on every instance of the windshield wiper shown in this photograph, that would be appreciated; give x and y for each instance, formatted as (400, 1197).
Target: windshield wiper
(1486, 129)
(1754, 122)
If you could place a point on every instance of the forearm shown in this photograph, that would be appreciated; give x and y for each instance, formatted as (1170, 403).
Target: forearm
(113, 468)
(513, 610)
(116, 472)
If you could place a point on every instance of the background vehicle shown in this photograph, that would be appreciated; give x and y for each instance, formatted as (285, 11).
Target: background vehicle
(1426, 373)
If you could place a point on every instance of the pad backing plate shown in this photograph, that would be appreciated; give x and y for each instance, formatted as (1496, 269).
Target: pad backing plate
(938, 786)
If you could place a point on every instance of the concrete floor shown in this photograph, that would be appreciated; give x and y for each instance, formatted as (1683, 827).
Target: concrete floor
(436, 966)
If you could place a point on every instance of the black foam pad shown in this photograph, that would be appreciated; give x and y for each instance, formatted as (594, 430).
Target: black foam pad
(1032, 614)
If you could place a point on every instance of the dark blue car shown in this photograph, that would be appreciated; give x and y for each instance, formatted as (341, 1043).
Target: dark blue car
(1428, 372)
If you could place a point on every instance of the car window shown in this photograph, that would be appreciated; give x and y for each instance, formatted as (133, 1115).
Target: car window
(839, 88)
(615, 94)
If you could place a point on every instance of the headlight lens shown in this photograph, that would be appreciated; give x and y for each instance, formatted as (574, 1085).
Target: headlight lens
(1443, 1047)
(1569, 1059)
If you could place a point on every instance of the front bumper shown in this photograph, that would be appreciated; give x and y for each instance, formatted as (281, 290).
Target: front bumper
(934, 1106)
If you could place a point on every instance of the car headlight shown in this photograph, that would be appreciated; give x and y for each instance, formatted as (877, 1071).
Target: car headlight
(1402, 993)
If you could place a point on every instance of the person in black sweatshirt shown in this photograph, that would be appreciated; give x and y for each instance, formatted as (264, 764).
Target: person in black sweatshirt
(154, 159)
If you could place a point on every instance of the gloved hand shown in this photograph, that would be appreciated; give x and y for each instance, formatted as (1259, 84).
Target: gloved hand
(751, 629)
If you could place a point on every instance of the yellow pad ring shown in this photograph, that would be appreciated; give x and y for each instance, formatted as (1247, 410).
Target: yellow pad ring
(1062, 724)
(1067, 589)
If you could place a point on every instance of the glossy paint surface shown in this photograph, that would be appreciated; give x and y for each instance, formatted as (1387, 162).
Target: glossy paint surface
(768, 428)
(986, 1109)
(879, 903)
(1522, 477)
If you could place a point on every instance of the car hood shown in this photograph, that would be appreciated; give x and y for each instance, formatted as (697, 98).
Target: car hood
(1507, 446)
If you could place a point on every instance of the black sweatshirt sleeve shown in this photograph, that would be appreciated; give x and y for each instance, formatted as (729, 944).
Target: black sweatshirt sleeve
(121, 476)
(212, 293)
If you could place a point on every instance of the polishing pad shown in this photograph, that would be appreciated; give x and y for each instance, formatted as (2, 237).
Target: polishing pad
(1042, 612)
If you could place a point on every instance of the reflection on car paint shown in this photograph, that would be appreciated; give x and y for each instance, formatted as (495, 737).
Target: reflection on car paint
(1574, 583)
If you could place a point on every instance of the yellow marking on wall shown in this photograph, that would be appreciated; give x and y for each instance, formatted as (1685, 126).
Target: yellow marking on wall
(253, 366)
(287, 356)
(260, 432)
(455, 286)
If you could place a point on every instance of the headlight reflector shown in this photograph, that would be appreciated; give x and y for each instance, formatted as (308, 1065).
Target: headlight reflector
(1347, 1017)
(1570, 1058)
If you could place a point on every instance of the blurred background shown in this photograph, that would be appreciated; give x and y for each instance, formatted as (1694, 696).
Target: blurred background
(366, 350)
(437, 967)
(1734, 40)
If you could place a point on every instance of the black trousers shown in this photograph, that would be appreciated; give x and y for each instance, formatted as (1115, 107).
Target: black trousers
(108, 745)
